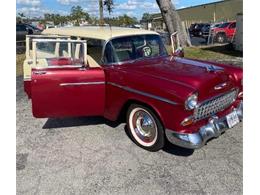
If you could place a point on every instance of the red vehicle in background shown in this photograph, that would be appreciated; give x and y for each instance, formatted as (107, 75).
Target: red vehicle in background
(225, 32)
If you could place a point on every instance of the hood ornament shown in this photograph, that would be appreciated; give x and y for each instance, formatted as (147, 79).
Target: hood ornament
(207, 66)
(212, 68)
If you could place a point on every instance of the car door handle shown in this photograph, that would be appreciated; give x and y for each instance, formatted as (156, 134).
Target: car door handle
(40, 72)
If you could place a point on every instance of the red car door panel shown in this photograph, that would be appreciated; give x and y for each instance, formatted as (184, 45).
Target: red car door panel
(68, 92)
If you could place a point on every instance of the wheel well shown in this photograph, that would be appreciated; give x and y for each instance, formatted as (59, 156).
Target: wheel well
(221, 33)
(122, 113)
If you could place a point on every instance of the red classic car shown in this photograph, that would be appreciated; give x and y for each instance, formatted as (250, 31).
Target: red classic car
(110, 72)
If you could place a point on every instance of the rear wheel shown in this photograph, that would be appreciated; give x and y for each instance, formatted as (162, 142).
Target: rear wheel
(145, 128)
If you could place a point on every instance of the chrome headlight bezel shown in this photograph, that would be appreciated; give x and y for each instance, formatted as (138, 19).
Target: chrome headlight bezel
(191, 102)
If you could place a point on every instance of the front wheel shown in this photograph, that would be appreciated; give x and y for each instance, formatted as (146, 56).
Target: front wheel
(221, 38)
(145, 128)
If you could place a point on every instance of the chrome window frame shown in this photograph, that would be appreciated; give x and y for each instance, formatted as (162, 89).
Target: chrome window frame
(34, 55)
(30, 37)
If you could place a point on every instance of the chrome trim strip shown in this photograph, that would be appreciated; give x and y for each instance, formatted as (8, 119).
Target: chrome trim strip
(143, 93)
(82, 83)
(58, 40)
(220, 86)
(58, 66)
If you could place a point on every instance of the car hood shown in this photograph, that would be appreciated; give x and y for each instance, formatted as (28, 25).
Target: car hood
(186, 75)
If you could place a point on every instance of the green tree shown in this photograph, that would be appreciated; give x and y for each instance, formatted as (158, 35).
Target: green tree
(146, 17)
(20, 17)
(77, 14)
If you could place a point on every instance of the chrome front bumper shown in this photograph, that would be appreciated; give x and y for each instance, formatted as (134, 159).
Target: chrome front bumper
(214, 128)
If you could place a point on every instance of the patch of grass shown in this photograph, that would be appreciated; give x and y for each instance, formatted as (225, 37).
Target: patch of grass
(19, 64)
(220, 52)
(211, 53)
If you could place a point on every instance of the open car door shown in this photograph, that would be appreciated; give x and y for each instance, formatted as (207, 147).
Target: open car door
(28, 62)
(62, 83)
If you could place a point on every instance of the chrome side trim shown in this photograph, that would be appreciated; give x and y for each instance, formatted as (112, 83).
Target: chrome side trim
(143, 93)
(82, 83)
(214, 128)
(58, 66)
(27, 79)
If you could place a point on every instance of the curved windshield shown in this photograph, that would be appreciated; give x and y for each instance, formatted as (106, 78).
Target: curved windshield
(130, 48)
(224, 25)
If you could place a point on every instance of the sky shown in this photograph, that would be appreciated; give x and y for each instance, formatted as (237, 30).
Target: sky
(133, 8)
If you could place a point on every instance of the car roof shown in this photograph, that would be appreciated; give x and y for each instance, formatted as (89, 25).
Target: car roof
(97, 32)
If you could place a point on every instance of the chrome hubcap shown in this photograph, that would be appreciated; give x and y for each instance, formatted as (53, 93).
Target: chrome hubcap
(144, 126)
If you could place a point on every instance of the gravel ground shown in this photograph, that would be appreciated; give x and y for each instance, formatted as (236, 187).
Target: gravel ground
(94, 156)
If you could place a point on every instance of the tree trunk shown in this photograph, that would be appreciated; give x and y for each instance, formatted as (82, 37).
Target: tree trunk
(173, 21)
(101, 16)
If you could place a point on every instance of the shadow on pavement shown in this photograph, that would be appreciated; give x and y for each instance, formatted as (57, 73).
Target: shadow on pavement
(78, 121)
(224, 49)
(176, 150)
(170, 148)
(84, 121)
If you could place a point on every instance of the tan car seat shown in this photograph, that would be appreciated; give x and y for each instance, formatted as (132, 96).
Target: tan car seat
(91, 62)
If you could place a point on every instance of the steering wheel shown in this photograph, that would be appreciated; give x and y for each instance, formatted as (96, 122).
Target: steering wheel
(145, 51)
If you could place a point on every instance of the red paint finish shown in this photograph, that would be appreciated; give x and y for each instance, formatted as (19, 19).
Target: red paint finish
(174, 80)
(51, 99)
(166, 78)
(27, 88)
(228, 30)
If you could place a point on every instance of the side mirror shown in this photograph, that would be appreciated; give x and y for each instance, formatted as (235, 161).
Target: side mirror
(179, 52)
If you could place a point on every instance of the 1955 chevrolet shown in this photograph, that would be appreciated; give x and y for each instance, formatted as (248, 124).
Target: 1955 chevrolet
(110, 72)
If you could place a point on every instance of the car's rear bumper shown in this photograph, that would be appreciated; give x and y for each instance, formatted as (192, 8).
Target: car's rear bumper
(215, 127)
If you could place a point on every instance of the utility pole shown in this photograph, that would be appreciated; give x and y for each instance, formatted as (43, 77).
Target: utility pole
(101, 16)
(214, 14)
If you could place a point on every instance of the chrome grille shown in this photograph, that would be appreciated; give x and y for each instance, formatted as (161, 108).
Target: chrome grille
(214, 105)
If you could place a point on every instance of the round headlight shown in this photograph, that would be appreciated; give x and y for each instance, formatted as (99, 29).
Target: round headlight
(191, 102)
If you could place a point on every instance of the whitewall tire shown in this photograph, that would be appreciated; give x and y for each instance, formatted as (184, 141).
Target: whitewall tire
(145, 128)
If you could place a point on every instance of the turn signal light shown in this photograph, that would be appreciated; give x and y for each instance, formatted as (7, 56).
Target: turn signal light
(187, 121)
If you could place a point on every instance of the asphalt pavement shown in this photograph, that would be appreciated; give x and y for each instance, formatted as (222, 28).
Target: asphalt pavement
(90, 155)
(198, 41)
